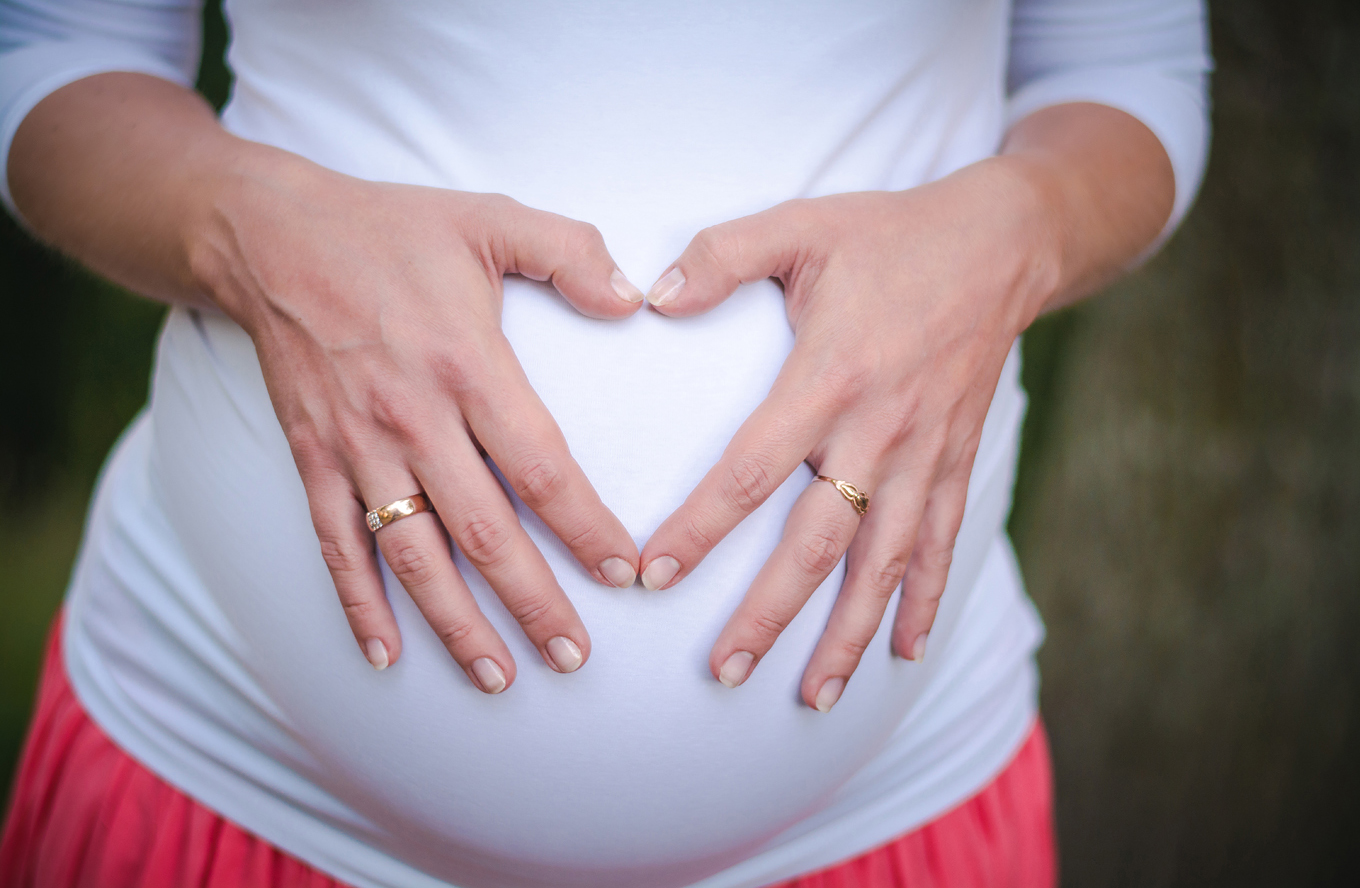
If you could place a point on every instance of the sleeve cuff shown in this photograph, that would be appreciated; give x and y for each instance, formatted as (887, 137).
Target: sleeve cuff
(1172, 105)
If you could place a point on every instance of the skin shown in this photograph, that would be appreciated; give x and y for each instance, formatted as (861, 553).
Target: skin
(375, 310)
(904, 306)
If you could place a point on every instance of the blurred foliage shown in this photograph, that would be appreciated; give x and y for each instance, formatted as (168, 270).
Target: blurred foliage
(75, 360)
(1189, 512)
(1188, 509)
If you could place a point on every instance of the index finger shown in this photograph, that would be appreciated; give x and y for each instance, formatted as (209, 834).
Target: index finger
(771, 443)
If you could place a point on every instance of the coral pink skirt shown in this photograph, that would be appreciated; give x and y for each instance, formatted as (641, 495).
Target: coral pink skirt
(84, 814)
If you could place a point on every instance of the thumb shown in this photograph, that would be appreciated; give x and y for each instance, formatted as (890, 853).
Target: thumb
(546, 246)
(720, 258)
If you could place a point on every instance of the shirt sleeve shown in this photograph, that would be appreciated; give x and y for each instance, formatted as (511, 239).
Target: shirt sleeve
(1148, 58)
(46, 44)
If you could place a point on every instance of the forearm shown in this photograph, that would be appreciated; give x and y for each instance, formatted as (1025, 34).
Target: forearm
(1101, 187)
(124, 172)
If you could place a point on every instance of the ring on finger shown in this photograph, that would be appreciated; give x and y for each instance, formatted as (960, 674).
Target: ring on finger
(856, 497)
(403, 508)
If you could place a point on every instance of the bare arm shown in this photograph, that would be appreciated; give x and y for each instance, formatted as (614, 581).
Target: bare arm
(120, 171)
(1104, 185)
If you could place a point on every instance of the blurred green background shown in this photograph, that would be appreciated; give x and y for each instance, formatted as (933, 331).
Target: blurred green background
(1188, 511)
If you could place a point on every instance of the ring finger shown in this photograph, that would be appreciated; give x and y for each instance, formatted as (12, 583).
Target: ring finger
(419, 556)
(818, 532)
(877, 562)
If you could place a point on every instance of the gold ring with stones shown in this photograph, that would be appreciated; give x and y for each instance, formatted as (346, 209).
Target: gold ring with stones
(403, 508)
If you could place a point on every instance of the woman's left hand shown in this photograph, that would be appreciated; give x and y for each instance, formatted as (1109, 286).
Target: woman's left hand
(904, 306)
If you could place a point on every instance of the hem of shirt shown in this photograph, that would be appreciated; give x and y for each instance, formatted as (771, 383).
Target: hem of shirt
(980, 753)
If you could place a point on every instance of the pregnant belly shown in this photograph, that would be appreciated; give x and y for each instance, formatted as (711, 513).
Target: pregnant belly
(640, 768)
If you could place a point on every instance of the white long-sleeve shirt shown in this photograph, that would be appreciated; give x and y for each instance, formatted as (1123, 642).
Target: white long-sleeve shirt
(203, 633)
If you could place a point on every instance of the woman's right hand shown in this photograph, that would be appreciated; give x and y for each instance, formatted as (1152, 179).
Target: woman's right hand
(375, 310)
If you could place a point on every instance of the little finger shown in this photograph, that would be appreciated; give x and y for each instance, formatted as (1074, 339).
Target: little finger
(931, 556)
(347, 548)
(876, 563)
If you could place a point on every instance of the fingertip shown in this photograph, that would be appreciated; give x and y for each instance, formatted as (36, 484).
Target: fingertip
(909, 640)
(659, 572)
(734, 669)
(829, 694)
(489, 677)
(627, 292)
(376, 653)
(620, 573)
(381, 653)
(563, 654)
(666, 289)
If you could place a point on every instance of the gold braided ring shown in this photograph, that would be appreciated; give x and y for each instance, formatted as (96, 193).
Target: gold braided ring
(858, 498)
(402, 508)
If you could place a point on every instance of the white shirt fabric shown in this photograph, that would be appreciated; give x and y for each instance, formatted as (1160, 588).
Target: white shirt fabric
(203, 632)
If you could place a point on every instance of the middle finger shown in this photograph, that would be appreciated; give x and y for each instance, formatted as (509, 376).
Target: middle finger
(818, 531)
(483, 524)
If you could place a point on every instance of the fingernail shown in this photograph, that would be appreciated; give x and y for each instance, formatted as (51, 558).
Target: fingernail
(376, 652)
(829, 694)
(918, 647)
(566, 656)
(488, 675)
(666, 289)
(624, 287)
(660, 572)
(618, 572)
(736, 668)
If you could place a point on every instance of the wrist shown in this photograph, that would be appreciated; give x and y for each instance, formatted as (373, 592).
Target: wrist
(249, 183)
(1027, 200)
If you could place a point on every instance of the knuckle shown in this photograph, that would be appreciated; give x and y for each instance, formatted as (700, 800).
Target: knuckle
(713, 243)
(482, 536)
(487, 210)
(359, 612)
(699, 536)
(538, 479)
(413, 564)
(454, 374)
(586, 538)
(937, 557)
(501, 202)
(454, 631)
(344, 557)
(767, 625)
(852, 648)
(395, 410)
(850, 376)
(818, 550)
(531, 610)
(585, 238)
(750, 482)
(313, 456)
(798, 211)
(882, 577)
